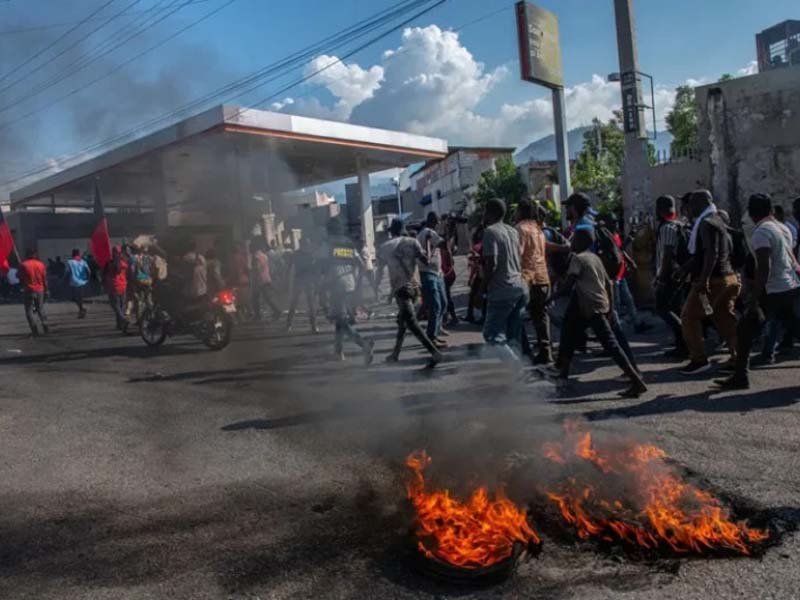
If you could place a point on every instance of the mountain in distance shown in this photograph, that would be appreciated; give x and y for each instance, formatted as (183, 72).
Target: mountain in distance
(544, 149)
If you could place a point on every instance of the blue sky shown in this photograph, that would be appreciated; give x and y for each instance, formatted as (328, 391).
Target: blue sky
(678, 40)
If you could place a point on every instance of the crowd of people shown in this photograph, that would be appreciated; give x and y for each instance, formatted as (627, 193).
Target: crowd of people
(708, 276)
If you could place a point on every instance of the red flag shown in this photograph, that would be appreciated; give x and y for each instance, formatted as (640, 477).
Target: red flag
(100, 242)
(6, 244)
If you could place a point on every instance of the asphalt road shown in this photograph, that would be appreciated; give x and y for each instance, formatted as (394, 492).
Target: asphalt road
(270, 471)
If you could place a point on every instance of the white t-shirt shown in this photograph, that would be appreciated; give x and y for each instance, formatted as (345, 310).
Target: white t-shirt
(777, 237)
(435, 263)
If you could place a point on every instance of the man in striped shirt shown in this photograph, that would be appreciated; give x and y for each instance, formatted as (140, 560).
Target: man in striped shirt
(668, 298)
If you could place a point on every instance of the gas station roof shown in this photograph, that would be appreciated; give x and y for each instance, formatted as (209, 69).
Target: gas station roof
(225, 154)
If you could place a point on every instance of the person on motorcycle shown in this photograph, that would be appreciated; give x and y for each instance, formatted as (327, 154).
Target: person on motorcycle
(340, 265)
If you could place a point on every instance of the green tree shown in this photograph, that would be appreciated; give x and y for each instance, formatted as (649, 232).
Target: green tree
(503, 182)
(682, 121)
(726, 77)
(598, 168)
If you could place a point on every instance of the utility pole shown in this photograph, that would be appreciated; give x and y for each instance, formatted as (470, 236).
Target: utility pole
(636, 170)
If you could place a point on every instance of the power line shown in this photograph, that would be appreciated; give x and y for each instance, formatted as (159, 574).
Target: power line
(70, 47)
(85, 61)
(64, 24)
(276, 69)
(54, 42)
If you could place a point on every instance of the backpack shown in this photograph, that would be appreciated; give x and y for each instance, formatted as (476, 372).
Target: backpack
(682, 234)
(609, 252)
(143, 270)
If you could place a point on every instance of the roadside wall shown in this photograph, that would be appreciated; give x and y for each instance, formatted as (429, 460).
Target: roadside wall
(749, 131)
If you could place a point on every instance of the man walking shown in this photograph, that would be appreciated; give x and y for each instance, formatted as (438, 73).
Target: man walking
(667, 295)
(340, 263)
(434, 294)
(262, 279)
(715, 285)
(506, 294)
(116, 278)
(78, 273)
(591, 305)
(33, 276)
(534, 273)
(400, 255)
(302, 274)
(775, 289)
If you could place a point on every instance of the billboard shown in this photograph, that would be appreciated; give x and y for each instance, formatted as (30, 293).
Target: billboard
(539, 45)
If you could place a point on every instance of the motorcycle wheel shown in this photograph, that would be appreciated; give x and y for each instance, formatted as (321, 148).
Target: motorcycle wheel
(217, 330)
(153, 328)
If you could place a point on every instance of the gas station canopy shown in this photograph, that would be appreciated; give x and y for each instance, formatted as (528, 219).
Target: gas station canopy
(218, 160)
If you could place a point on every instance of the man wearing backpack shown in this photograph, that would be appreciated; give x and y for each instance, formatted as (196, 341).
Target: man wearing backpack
(671, 249)
(715, 285)
(775, 289)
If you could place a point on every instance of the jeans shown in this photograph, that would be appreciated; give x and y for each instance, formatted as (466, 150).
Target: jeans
(539, 295)
(623, 301)
(117, 302)
(777, 327)
(668, 301)
(724, 291)
(776, 308)
(264, 291)
(407, 320)
(435, 298)
(77, 297)
(34, 305)
(575, 325)
(503, 325)
(307, 289)
(340, 315)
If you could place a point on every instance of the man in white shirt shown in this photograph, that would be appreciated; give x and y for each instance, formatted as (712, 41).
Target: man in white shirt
(775, 289)
(434, 293)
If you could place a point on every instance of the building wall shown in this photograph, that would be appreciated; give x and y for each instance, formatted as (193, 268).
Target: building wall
(450, 182)
(749, 130)
(678, 178)
(54, 234)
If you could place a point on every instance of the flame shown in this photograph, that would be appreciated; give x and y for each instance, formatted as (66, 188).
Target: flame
(477, 533)
(657, 508)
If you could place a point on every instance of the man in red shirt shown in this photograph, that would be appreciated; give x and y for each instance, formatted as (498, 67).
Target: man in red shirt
(116, 277)
(33, 277)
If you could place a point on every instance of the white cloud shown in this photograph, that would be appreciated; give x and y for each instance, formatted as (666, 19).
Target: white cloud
(431, 84)
(351, 84)
(750, 69)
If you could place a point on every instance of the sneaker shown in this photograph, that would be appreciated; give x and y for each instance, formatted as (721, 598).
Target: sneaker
(734, 382)
(369, 347)
(762, 361)
(693, 368)
(392, 358)
(637, 389)
(443, 333)
(439, 343)
(434, 360)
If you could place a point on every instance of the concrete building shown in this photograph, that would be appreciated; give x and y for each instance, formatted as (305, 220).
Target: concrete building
(539, 177)
(748, 132)
(224, 172)
(447, 184)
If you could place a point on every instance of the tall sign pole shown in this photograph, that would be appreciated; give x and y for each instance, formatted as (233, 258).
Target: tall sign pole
(636, 171)
(540, 63)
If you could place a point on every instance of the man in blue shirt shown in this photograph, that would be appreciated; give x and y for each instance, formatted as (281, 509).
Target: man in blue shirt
(78, 274)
